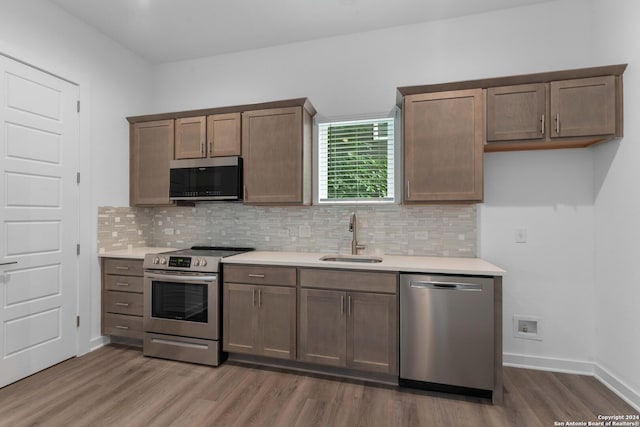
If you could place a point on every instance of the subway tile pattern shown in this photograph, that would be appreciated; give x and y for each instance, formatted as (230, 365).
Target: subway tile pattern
(121, 228)
(439, 230)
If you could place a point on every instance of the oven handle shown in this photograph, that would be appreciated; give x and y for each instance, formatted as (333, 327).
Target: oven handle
(178, 277)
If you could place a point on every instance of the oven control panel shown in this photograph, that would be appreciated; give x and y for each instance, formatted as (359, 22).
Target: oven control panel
(180, 261)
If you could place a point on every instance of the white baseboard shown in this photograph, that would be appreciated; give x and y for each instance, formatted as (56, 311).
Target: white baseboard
(98, 342)
(618, 386)
(580, 367)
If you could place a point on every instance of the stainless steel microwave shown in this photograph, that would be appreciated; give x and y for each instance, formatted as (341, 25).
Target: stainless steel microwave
(217, 178)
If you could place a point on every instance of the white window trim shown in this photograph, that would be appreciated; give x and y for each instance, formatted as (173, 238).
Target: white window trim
(398, 155)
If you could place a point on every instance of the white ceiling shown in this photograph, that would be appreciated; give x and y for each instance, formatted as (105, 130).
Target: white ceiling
(172, 30)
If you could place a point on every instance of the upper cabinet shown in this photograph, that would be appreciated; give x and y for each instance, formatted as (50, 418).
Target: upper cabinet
(216, 135)
(443, 146)
(191, 138)
(559, 109)
(223, 135)
(584, 107)
(275, 143)
(151, 150)
(558, 113)
(276, 148)
(516, 113)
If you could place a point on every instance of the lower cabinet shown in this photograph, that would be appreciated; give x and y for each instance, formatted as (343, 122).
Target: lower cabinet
(356, 330)
(122, 298)
(260, 320)
(327, 317)
(349, 319)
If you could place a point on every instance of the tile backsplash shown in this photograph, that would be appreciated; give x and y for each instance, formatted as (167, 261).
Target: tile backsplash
(391, 229)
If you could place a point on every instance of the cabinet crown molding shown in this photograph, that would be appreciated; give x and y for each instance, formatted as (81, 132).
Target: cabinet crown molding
(544, 77)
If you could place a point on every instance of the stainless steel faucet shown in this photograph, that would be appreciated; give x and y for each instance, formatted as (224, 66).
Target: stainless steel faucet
(353, 228)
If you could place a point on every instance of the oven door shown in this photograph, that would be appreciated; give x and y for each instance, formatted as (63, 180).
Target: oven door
(182, 304)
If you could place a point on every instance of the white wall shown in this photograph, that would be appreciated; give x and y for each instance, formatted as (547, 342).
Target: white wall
(113, 83)
(549, 193)
(617, 208)
(359, 73)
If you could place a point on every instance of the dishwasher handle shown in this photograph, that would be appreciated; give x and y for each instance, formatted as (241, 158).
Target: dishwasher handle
(451, 286)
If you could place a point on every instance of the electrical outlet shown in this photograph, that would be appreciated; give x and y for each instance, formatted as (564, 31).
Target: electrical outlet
(521, 235)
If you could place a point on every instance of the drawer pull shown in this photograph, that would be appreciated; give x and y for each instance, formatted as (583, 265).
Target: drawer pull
(259, 276)
(122, 327)
(122, 304)
(122, 284)
(122, 267)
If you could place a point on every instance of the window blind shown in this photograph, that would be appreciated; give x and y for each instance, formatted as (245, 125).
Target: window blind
(355, 161)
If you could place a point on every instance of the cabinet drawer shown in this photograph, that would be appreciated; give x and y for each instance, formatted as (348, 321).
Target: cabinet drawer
(121, 325)
(124, 267)
(260, 275)
(123, 303)
(364, 281)
(124, 283)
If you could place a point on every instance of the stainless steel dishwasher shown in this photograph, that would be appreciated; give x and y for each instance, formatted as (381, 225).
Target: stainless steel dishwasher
(446, 332)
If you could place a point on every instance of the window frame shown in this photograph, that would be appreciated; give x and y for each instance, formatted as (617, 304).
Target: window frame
(397, 159)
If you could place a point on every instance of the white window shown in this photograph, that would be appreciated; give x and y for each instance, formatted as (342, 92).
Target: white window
(356, 161)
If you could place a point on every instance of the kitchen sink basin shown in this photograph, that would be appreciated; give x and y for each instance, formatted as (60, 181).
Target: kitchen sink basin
(351, 258)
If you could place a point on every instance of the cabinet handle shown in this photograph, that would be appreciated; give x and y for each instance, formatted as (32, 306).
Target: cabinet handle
(259, 276)
(122, 304)
(408, 189)
(542, 125)
(122, 284)
(259, 297)
(349, 306)
(558, 124)
(253, 297)
(342, 305)
(211, 147)
(121, 327)
(122, 267)
(245, 192)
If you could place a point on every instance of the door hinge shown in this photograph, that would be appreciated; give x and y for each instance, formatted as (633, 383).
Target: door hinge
(78, 249)
(78, 177)
(77, 321)
(78, 105)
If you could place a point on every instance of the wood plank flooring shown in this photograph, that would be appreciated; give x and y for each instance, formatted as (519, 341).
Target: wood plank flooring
(117, 386)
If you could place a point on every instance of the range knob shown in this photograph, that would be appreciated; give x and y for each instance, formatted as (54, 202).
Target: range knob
(203, 262)
(156, 260)
(163, 260)
(196, 262)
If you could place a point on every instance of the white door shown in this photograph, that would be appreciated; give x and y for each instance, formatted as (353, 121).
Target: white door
(39, 220)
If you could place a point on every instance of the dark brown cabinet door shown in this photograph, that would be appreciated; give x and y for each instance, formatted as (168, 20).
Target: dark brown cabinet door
(516, 112)
(223, 135)
(443, 143)
(583, 107)
(272, 148)
(372, 337)
(190, 137)
(323, 327)
(151, 151)
(240, 323)
(277, 321)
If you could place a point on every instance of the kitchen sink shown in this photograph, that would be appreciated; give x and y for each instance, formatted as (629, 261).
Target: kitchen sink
(351, 258)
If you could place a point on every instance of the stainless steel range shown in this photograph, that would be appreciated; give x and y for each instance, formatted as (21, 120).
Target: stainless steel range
(182, 304)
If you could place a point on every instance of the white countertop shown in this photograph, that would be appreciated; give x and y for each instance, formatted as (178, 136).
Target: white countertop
(134, 253)
(409, 264)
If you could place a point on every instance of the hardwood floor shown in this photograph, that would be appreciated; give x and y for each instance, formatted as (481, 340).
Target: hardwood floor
(117, 386)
